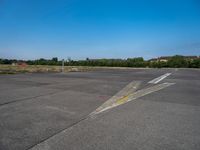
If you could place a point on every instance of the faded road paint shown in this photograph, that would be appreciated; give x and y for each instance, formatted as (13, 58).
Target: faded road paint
(156, 80)
(129, 97)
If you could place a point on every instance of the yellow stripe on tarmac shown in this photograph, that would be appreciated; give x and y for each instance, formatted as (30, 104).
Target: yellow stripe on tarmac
(122, 100)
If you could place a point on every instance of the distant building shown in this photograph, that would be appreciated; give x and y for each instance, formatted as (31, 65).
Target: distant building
(22, 64)
(161, 59)
(191, 57)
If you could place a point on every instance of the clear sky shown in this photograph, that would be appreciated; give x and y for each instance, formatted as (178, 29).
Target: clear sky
(31, 29)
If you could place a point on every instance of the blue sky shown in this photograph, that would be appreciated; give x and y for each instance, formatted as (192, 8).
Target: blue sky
(31, 29)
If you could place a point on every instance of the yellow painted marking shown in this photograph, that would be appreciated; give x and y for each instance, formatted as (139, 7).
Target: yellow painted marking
(122, 100)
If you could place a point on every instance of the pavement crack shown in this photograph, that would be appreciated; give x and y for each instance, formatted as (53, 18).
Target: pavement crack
(58, 132)
(29, 98)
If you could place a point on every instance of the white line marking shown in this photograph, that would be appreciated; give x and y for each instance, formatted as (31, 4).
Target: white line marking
(134, 96)
(156, 80)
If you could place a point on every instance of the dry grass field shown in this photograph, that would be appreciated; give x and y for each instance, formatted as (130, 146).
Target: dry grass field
(12, 69)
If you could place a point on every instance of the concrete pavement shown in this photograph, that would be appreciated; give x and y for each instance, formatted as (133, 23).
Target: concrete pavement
(50, 111)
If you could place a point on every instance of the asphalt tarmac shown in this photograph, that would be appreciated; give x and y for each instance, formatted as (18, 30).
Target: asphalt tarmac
(52, 111)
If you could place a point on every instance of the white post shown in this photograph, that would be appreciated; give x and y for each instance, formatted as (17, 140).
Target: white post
(63, 63)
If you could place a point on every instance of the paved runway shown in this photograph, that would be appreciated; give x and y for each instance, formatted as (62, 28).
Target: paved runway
(52, 111)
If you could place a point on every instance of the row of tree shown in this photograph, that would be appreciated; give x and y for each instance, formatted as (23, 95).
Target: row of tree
(173, 62)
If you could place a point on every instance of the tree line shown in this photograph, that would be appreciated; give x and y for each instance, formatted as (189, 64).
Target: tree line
(176, 61)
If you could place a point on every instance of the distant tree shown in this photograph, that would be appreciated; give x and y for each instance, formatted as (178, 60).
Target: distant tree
(7, 61)
(177, 61)
(194, 63)
(55, 59)
(135, 62)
